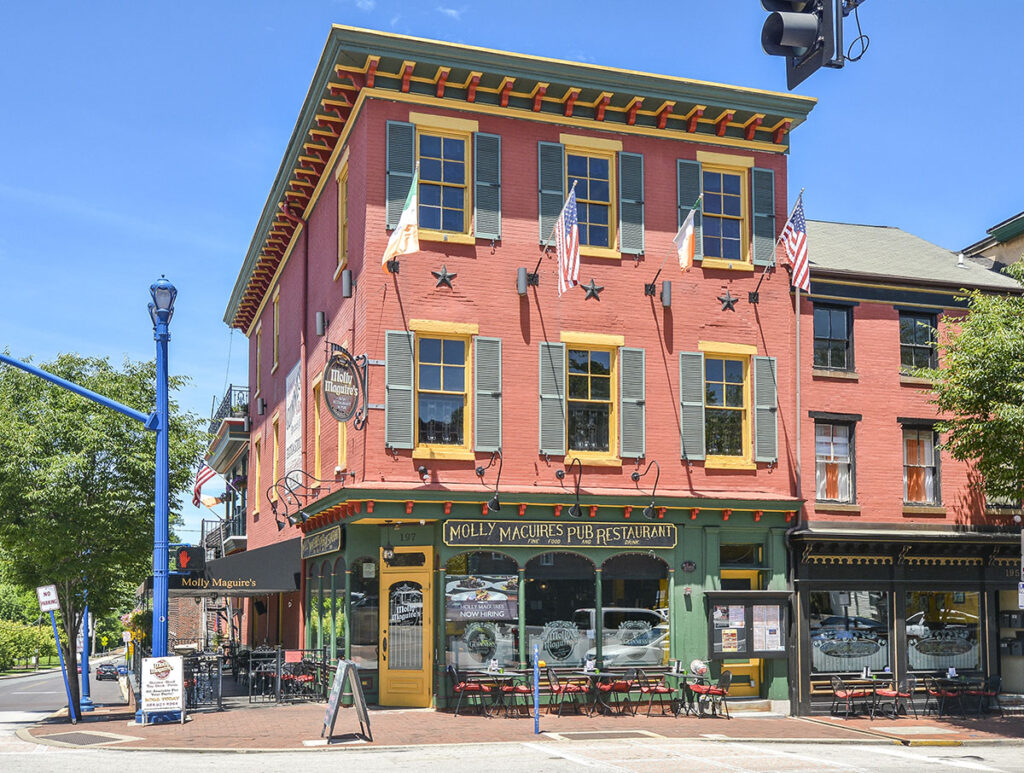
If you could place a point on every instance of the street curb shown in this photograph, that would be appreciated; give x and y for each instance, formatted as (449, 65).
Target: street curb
(55, 670)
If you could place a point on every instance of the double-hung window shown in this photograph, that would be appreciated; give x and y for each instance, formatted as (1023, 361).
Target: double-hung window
(833, 458)
(917, 341)
(592, 177)
(590, 413)
(833, 337)
(920, 466)
(723, 214)
(725, 406)
(443, 188)
(441, 398)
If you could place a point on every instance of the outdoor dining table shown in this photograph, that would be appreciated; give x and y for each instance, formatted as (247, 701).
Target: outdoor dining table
(599, 703)
(496, 680)
(960, 685)
(687, 703)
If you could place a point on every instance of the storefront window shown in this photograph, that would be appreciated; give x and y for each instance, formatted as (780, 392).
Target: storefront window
(634, 603)
(318, 587)
(364, 600)
(337, 610)
(849, 631)
(559, 595)
(482, 610)
(943, 630)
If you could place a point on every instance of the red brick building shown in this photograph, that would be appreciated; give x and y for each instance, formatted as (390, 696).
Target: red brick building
(471, 360)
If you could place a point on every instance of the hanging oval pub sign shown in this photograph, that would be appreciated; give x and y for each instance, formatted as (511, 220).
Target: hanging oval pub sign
(341, 386)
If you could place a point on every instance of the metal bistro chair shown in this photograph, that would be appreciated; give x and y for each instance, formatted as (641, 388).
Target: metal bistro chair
(658, 690)
(840, 692)
(901, 692)
(988, 694)
(620, 686)
(562, 690)
(463, 687)
(938, 695)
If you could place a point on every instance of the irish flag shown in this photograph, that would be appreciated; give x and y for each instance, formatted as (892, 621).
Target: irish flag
(405, 238)
(685, 240)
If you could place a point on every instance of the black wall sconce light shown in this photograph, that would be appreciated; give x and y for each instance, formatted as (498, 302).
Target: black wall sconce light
(346, 283)
(387, 552)
(575, 511)
(666, 295)
(493, 505)
(424, 473)
(525, 279)
(649, 511)
(321, 323)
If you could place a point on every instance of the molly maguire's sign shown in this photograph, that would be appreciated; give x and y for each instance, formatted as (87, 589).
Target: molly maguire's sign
(559, 535)
(341, 386)
(322, 542)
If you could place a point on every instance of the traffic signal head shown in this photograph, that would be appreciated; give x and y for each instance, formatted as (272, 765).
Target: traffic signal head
(803, 31)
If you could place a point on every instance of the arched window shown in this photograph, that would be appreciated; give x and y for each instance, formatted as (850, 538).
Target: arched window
(560, 602)
(634, 602)
(482, 610)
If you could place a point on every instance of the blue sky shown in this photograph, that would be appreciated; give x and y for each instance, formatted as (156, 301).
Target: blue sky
(141, 139)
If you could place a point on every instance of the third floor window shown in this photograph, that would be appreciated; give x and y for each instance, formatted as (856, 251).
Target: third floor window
(833, 337)
(917, 341)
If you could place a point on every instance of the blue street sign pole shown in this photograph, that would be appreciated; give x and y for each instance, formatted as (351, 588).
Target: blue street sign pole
(63, 670)
(536, 689)
(86, 702)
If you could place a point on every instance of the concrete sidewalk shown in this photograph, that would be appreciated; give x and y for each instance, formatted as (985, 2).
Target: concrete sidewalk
(298, 726)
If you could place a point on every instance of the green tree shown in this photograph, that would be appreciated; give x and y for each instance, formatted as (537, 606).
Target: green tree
(77, 482)
(979, 389)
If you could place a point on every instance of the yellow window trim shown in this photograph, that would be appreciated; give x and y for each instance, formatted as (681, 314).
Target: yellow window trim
(342, 216)
(744, 218)
(717, 347)
(444, 328)
(431, 451)
(446, 236)
(342, 164)
(730, 462)
(728, 265)
(584, 149)
(256, 475)
(594, 459)
(443, 122)
(589, 143)
(342, 445)
(600, 252)
(275, 428)
(724, 159)
(317, 428)
(467, 204)
(592, 339)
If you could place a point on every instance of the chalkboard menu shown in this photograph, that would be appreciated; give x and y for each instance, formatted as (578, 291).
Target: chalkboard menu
(346, 671)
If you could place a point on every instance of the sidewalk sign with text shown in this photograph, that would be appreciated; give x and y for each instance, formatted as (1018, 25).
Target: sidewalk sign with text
(346, 671)
(163, 685)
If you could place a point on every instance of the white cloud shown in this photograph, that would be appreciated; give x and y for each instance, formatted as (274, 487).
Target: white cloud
(453, 13)
(366, 5)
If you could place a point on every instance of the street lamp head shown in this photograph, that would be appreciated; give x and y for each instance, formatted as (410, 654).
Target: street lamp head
(163, 293)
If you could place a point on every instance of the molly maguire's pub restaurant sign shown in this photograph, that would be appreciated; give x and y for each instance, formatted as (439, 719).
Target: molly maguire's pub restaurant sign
(559, 535)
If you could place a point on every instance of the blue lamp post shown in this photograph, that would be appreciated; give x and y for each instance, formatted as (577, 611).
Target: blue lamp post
(85, 702)
(161, 310)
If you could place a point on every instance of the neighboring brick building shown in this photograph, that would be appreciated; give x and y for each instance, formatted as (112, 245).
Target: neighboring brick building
(898, 562)
(462, 362)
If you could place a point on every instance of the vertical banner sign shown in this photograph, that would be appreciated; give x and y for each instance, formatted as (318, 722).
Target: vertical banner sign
(162, 684)
(293, 420)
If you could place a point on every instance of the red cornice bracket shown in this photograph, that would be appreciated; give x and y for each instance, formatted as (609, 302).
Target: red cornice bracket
(570, 102)
(558, 510)
(538, 96)
(406, 75)
(358, 507)
(371, 72)
(442, 80)
(593, 511)
(663, 116)
(662, 511)
(369, 506)
(723, 122)
(601, 105)
(522, 510)
(691, 125)
(447, 508)
(694, 512)
(474, 81)
(757, 515)
(506, 90)
(627, 511)
(408, 507)
(789, 516)
(748, 133)
(780, 132)
(725, 514)
(483, 508)
(631, 113)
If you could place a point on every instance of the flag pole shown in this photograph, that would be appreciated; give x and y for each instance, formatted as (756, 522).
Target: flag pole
(547, 242)
(799, 423)
(779, 240)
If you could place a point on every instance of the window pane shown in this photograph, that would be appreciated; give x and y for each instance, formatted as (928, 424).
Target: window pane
(906, 329)
(732, 206)
(430, 169)
(579, 360)
(454, 379)
(454, 149)
(713, 369)
(597, 236)
(454, 172)
(598, 214)
(440, 419)
(712, 204)
(712, 182)
(365, 623)
(724, 433)
(430, 350)
(430, 195)
(712, 227)
(731, 250)
(601, 362)
(714, 394)
(923, 332)
(822, 322)
(430, 217)
(560, 602)
(634, 600)
(582, 189)
(838, 355)
(600, 388)
(452, 220)
(907, 356)
(734, 396)
(578, 386)
(849, 631)
(453, 197)
(821, 354)
(839, 326)
(429, 146)
(731, 184)
(599, 190)
(734, 371)
(454, 352)
(731, 229)
(577, 165)
(599, 168)
(430, 376)
(588, 426)
(943, 630)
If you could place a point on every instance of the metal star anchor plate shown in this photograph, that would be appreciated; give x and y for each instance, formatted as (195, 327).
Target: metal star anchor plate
(443, 277)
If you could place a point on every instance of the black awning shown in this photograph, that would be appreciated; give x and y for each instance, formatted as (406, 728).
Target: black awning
(275, 568)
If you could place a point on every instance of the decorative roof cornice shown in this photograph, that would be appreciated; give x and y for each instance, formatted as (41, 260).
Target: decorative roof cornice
(485, 79)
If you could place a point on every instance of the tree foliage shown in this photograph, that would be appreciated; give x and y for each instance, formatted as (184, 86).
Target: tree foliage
(77, 481)
(979, 389)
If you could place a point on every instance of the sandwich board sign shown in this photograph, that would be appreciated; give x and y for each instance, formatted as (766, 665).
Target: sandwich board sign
(163, 685)
(346, 671)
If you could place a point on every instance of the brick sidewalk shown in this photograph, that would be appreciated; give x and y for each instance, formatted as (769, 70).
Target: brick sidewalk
(298, 726)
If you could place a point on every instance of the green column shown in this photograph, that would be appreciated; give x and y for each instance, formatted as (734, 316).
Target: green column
(334, 616)
(524, 656)
(440, 645)
(348, 615)
(598, 616)
(673, 644)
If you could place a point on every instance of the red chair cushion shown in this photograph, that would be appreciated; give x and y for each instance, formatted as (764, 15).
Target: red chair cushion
(716, 691)
(471, 687)
(660, 689)
(700, 688)
(517, 688)
(847, 694)
(565, 688)
(887, 693)
(620, 686)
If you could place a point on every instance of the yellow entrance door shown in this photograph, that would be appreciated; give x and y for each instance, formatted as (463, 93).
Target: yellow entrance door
(407, 627)
(746, 674)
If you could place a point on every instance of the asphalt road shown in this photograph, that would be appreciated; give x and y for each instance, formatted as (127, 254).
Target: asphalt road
(45, 691)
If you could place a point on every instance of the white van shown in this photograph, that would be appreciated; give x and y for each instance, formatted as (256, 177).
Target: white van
(630, 636)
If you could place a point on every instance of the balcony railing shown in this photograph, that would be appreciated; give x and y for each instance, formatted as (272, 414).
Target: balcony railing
(235, 404)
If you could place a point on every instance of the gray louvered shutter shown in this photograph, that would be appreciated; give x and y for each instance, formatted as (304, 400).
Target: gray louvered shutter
(632, 410)
(551, 185)
(487, 186)
(401, 163)
(631, 203)
(552, 399)
(764, 216)
(487, 394)
(766, 400)
(398, 389)
(691, 404)
(688, 190)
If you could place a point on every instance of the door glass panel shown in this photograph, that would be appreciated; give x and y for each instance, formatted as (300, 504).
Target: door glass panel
(405, 626)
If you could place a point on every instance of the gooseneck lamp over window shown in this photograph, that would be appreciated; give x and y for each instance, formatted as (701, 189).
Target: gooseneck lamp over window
(575, 511)
(649, 512)
(493, 505)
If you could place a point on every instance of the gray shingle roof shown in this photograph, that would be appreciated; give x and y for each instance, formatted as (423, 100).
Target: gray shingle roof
(890, 253)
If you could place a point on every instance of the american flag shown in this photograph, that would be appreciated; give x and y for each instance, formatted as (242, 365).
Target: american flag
(205, 473)
(567, 245)
(794, 235)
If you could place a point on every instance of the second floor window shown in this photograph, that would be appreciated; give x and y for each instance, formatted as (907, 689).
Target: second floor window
(590, 399)
(917, 341)
(920, 484)
(592, 176)
(442, 192)
(441, 391)
(833, 462)
(722, 215)
(833, 340)
(725, 406)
